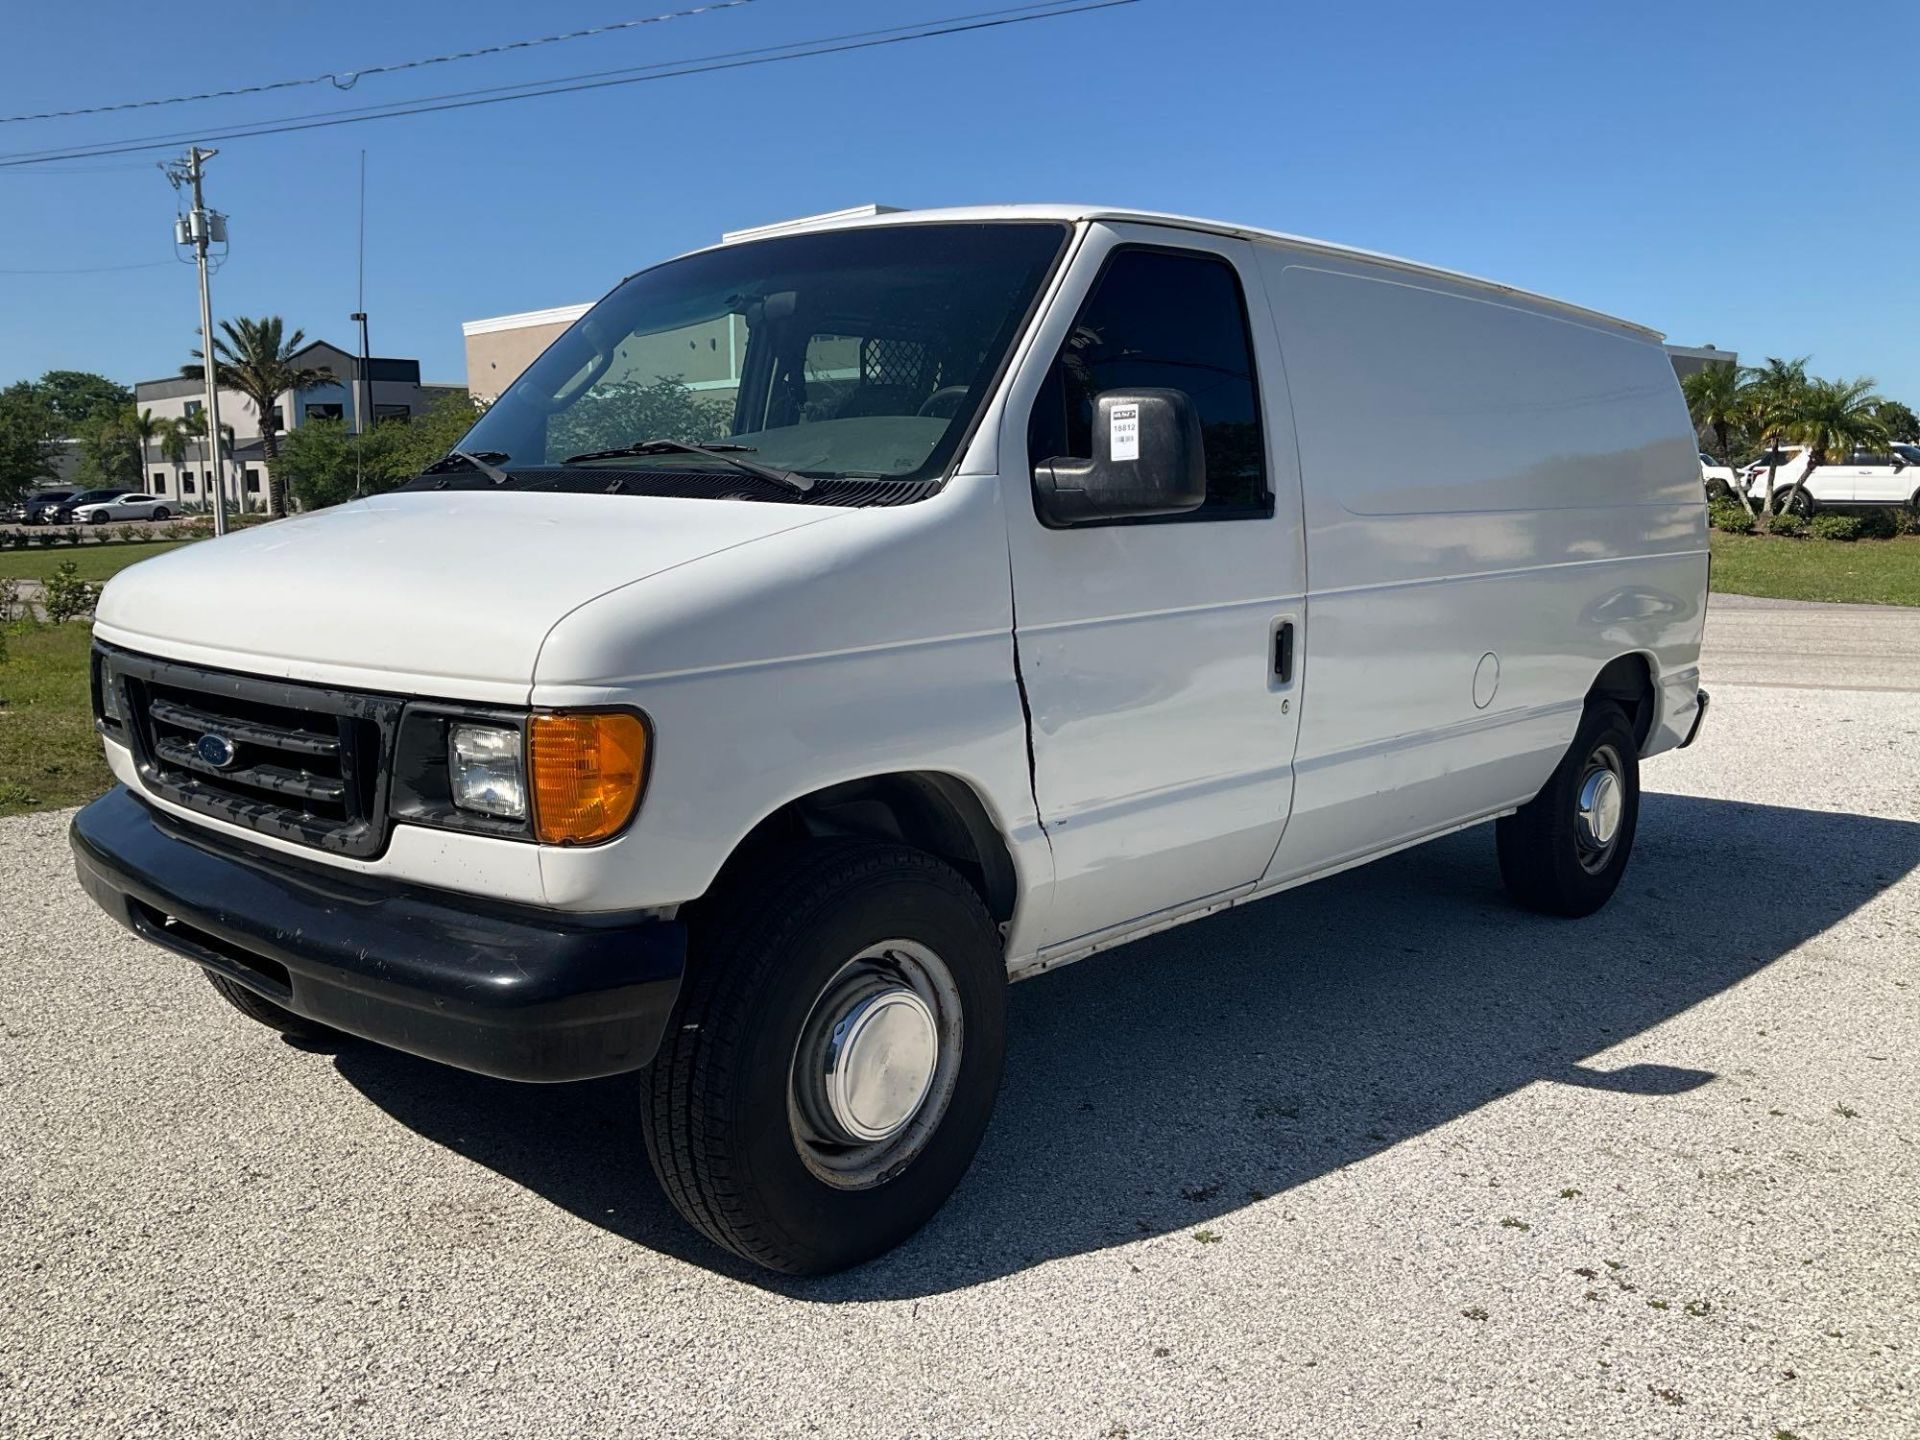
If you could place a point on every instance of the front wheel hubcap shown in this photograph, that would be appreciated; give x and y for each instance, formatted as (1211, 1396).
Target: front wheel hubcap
(879, 1063)
(876, 1064)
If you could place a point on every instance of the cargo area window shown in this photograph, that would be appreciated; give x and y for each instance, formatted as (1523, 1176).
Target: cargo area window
(1166, 318)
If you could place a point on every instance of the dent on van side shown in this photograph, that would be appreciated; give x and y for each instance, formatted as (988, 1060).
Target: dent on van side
(834, 625)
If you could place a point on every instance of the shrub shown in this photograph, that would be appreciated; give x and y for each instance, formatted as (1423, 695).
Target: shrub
(1787, 525)
(1730, 516)
(66, 595)
(1836, 527)
(1882, 524)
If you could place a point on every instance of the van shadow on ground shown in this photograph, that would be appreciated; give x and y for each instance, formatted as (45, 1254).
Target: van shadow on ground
(1158, 1087)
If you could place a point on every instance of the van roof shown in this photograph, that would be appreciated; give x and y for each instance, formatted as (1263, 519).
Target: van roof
(863, 216)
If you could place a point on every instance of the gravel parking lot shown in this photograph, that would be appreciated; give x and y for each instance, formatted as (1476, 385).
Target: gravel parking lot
(1383, 1156)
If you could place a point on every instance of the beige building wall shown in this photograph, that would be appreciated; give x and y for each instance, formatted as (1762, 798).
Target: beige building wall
(499, 348)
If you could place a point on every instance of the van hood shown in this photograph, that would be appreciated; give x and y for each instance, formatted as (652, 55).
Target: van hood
(448, 592)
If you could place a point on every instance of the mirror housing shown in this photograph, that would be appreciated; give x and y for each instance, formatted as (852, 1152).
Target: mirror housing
(1149, 458)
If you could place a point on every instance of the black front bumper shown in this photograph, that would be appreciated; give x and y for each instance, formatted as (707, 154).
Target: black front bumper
(520, 993)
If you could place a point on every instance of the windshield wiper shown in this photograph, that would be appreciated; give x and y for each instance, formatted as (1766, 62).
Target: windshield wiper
(723, 451)
(477, 460)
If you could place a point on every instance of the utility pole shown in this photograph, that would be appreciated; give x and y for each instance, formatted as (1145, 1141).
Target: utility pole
(200, 228)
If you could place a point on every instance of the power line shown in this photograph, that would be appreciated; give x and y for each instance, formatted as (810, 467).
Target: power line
(730, 60)
(92, 269)
(347, 79)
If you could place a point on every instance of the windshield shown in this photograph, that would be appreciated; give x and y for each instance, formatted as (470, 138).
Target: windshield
(844, 353)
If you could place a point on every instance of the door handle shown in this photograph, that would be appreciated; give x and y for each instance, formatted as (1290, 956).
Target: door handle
(1283, 652)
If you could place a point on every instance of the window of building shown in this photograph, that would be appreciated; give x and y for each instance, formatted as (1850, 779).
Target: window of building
(194, 407)
(159, 482)
(326, 411)
(384, 413)
(186, 483)
(252, 477)
(1159, 318)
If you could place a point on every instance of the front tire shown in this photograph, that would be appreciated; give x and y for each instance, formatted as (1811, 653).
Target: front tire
(263, 1011)
(833, 1061)
(99, 517)
(1564, 852)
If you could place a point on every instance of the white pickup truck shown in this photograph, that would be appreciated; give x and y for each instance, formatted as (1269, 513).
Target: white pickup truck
(834, 626)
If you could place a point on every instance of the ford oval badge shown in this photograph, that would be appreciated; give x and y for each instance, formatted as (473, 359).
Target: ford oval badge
(216, 750)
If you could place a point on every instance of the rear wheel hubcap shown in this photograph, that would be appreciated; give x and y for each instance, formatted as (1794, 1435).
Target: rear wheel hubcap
(1599, 808)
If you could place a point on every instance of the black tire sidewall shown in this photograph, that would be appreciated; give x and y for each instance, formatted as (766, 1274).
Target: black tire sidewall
(819, 1227)
(1585, 890)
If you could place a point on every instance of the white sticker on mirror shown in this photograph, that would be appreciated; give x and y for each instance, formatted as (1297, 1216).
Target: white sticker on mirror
(1123, 432)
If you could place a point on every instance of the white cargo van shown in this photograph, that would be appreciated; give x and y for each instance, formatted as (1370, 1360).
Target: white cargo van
(834, 626)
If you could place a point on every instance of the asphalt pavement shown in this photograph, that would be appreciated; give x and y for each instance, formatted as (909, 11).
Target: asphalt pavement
(1383, 1156)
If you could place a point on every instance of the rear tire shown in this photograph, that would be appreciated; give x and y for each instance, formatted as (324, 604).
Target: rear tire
(160, 512)
(1802, 505)
(744, 1125)
(1564, 852)
(263, 1011)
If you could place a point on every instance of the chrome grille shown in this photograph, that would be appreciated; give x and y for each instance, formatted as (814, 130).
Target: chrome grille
(302, 762)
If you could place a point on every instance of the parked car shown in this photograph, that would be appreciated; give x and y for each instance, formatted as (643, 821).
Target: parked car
(1864, 480)
(130, 505)
(39, 507)
(63, 513)
(764, 764)
(1718, 479)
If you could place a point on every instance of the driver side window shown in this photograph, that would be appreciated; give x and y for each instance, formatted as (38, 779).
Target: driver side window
(1164, 318)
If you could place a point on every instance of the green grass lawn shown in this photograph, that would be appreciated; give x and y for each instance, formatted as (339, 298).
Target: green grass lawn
(49, 755)
(1865, 572)
(94, 562)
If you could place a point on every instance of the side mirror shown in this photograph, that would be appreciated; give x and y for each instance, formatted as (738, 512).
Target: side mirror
(1149, 458)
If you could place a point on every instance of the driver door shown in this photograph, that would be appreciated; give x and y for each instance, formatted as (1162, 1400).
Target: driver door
(1160, 658)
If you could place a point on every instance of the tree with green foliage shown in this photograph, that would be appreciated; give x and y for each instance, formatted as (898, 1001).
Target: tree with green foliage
(255, 357)
(111, 457)
(79, 397)
(1771, 395)
(1902, 424)
(1717, 405)
(1831, 418)
(145, 427)
(326, 464)
(29, 439)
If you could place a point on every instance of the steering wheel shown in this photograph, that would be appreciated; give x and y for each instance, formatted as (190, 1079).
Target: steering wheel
(942, 404)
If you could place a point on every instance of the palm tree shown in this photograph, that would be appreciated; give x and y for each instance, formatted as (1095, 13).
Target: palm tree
(252, 356)
(1770, 394)
(145, 427)
(1715, 401)
(173, 442)
(189, 427)
(193, 427)
(1830, 419)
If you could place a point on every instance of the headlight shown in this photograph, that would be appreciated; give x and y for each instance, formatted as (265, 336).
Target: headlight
(488, 776)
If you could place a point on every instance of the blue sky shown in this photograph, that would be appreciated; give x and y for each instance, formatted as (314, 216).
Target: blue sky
(1725, 172)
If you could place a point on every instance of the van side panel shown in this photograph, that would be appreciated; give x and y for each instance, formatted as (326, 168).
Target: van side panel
(1499, 499)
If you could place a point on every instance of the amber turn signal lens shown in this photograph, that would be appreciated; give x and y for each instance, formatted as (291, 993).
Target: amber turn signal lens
(587, 771)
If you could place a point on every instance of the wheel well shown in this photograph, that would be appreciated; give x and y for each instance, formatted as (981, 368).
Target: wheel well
(926, 810)
(1628, 679)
